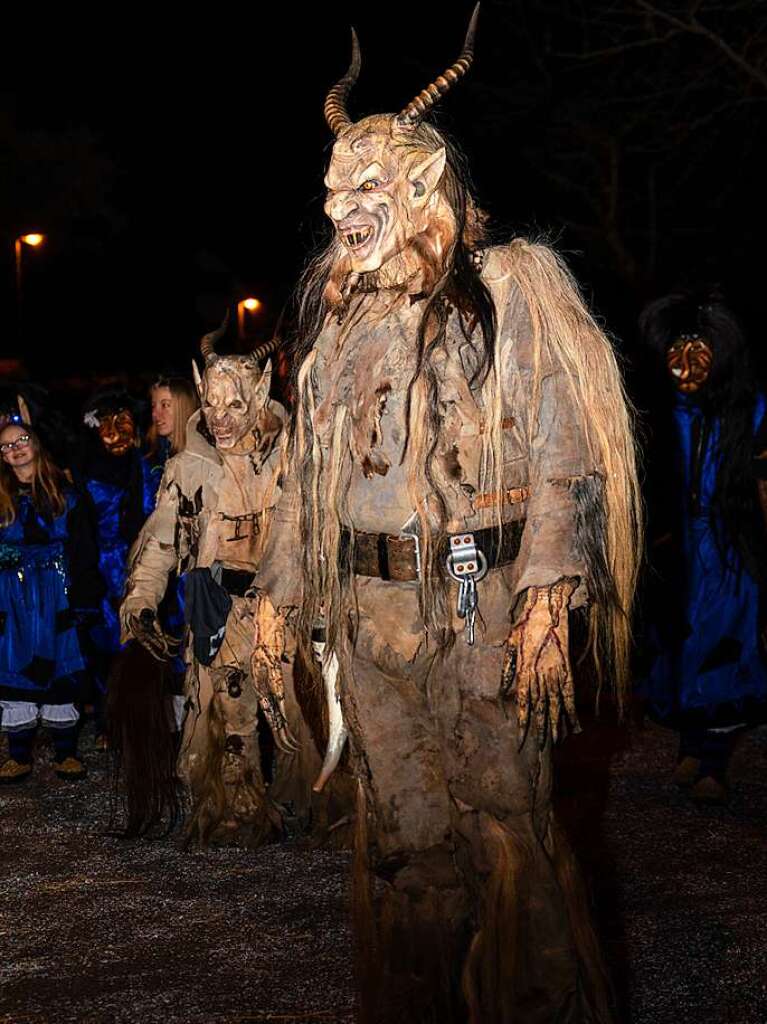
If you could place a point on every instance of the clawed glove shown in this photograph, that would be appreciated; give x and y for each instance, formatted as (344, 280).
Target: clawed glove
(145, 628)
(537, 672)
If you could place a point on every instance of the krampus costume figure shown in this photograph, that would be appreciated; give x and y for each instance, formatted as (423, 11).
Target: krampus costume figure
(463, 474)
(211, 518)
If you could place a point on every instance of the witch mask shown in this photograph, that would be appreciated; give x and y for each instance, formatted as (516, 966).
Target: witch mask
(689, 360)
(117, 431)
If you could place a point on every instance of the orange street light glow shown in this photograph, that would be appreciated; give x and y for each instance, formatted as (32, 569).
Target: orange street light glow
(33, 239)
(251, 304)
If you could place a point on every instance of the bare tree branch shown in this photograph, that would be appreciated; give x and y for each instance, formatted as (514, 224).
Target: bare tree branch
(695, 27)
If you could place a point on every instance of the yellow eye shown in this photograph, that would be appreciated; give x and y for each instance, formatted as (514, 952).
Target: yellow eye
(369, 185)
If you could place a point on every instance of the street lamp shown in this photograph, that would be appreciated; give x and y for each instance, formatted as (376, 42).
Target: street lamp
(33, 240)
(244, 307)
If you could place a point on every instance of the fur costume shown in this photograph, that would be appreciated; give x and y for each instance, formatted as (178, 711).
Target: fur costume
(453, 393)
(211, 518)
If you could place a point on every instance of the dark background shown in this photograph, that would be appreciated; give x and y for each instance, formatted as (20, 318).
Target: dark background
(175, 162)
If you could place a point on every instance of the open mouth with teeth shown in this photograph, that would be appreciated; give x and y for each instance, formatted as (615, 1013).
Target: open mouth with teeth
(355, 238)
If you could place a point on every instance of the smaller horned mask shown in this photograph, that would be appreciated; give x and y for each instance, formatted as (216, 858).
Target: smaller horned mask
(234, 393)
(385, 170)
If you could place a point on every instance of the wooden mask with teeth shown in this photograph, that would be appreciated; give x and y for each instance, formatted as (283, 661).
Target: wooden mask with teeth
(384, 176)
(234, 394)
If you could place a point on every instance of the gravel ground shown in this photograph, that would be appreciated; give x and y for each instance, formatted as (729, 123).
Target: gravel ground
(94, 929)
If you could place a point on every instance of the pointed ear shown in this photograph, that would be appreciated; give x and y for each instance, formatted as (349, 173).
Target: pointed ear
(426, 175)
(23, 410)
(262, 388)
(197, 378)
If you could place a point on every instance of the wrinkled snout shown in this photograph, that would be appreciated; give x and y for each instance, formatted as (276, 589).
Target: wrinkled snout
(341, 206)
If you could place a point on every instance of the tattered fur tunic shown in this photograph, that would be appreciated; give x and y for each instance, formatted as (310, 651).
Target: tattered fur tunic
(200, 500)
(364, 365)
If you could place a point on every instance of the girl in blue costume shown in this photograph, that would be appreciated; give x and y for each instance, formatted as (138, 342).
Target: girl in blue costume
(707, 676)
(49, 583)
(119, 485)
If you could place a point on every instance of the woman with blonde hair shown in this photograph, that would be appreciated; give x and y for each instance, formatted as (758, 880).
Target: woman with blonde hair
(49, 584)
(173, 399)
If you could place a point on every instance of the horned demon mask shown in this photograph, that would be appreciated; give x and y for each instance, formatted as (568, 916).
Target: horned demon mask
(234, 394)
(385, 171)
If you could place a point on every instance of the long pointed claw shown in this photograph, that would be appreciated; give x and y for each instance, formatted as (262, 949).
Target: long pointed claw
(285, 740)
(155, 646)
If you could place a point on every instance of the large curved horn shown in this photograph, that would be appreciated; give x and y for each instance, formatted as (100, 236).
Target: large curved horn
(335, 104)
(425, 100)
(265, 349)
(209, 342)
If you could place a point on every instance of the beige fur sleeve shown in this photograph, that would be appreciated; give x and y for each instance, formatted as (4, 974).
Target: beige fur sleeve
(280, 570)
(541, 323)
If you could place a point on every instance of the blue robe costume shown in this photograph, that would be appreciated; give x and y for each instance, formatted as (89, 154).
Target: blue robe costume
(707, 666)
(120, 489)
(154, 467)
(49, 583)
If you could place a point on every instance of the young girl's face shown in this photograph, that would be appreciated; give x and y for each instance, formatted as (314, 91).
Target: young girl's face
(163, 404)
(16, 446)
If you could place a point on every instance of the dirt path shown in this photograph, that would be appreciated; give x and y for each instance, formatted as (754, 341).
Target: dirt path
(94, 930)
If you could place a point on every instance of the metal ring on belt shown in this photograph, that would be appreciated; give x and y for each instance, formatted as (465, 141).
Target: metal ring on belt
(390, 557)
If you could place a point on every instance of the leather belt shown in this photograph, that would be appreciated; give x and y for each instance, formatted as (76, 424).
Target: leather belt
(237, 582)
(394, 558)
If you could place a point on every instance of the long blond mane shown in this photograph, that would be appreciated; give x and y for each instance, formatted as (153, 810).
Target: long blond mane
(561, 321)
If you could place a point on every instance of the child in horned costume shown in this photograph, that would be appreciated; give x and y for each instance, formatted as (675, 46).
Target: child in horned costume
(463, 476)
(212, 515)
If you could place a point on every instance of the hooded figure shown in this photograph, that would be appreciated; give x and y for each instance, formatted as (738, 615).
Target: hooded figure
(116, 481)
(213, 513)
(707, 472)
(461, 478)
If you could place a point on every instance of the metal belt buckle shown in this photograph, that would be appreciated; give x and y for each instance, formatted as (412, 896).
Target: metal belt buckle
(467, 565)
(410, 530)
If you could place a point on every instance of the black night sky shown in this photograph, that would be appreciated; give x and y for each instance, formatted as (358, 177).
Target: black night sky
(175, 163)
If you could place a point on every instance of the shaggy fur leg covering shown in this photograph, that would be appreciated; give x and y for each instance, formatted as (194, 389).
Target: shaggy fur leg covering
(408, 933)
(535, 956)
(492, 965)
(593, 977)
(228, 790)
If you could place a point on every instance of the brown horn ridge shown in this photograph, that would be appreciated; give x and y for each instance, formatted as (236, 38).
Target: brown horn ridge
(208, 343)
(265, 349)
(426, 99)
(336, 113)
